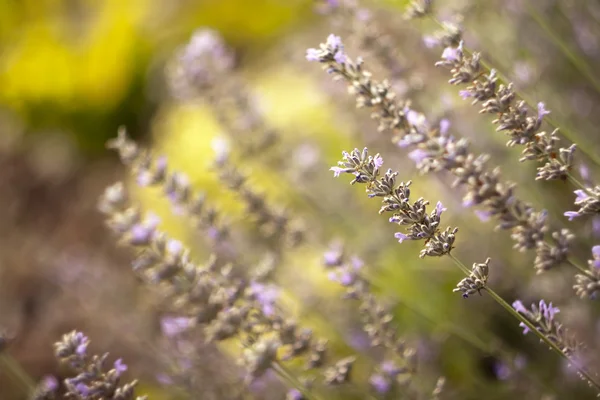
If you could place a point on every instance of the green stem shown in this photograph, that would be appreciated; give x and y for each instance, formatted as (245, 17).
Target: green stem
(553, 346)
(577, 62)
(17, 371)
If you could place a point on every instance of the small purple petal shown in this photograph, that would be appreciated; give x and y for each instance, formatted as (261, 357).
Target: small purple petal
(173, 326)
(334, 41)
(439, 208)
(519, 307)
(525, 328)
(571, 215)
(444, 126)
(336, 171)
(418, 155)
(483, 215)
(377, 161)
(430, 42)
(581, 195)
(400, 236)
(313, 55)
(542, 111)
(596, 251)
(340, 57)
(379, 383)
(120, 367)
(450, 54)
(465, 94)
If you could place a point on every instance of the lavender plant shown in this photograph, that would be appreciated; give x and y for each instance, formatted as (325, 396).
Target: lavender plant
(233, 303)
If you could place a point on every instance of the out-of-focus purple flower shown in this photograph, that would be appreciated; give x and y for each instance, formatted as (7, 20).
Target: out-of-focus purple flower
(173, 326)
(82, 389)
(581, 195)
(439, 208)
(444, 126)
(412, 117)
(501, 370)
(465, 94)
(584, 171)
(120, 367)
(333, 41)
(377, 161)
(430, 42)
(313, 55)
(340, 57)
(82, 345)
(266, 295)
(380, 383)
(483, 215)
(418, 155)
(542, 111)
(596, 254)
(50, 383)
(294, 394)
(452, 53)
(332, 257)
(142, 233)
(571, 215)
(164, 379)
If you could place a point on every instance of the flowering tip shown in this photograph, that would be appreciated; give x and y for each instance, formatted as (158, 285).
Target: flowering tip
(336, 171)
(400, 236)
(313, 55)
(571, 215)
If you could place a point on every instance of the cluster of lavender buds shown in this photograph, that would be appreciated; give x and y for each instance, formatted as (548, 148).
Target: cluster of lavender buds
(274, 223)
(587, 285)
(542, 317)
(396, 371)
(93, 381)
(438, 151)
(153, 172)
(217, 296)
(396, 199)
(513, 115)
(199, 65)
(588, 201)
(476, 281)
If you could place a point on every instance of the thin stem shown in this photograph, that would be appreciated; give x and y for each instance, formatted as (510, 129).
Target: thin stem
(577, 62)
(531, 326)
(15, 369)
(289, 377)
(575, 181)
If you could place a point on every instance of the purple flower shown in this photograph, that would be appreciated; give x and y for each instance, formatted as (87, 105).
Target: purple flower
(50, 383)
(439, 209)
(452, 53)
(581, 195)
(400, 236)
(313, 55)
(120, 367)
(465, 94)
(82, 389)
(483, 215)
(412, 117)
(83, 342)
(294, 394)
(502, 370)
(519, 307)
(418, 155)
(340, 57)
(542, 111)
(337, 171)
(379, 383)
(332, 258)
(596, 254)
(430, 42)
(377, 161)
(525, 328)
(334, 42)
(584, 171)
(444, 126)
(173, 326)
(548, 310)
(266, 295)
(571, 215)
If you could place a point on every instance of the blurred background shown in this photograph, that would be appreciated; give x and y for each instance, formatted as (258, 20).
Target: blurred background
(73, 71)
